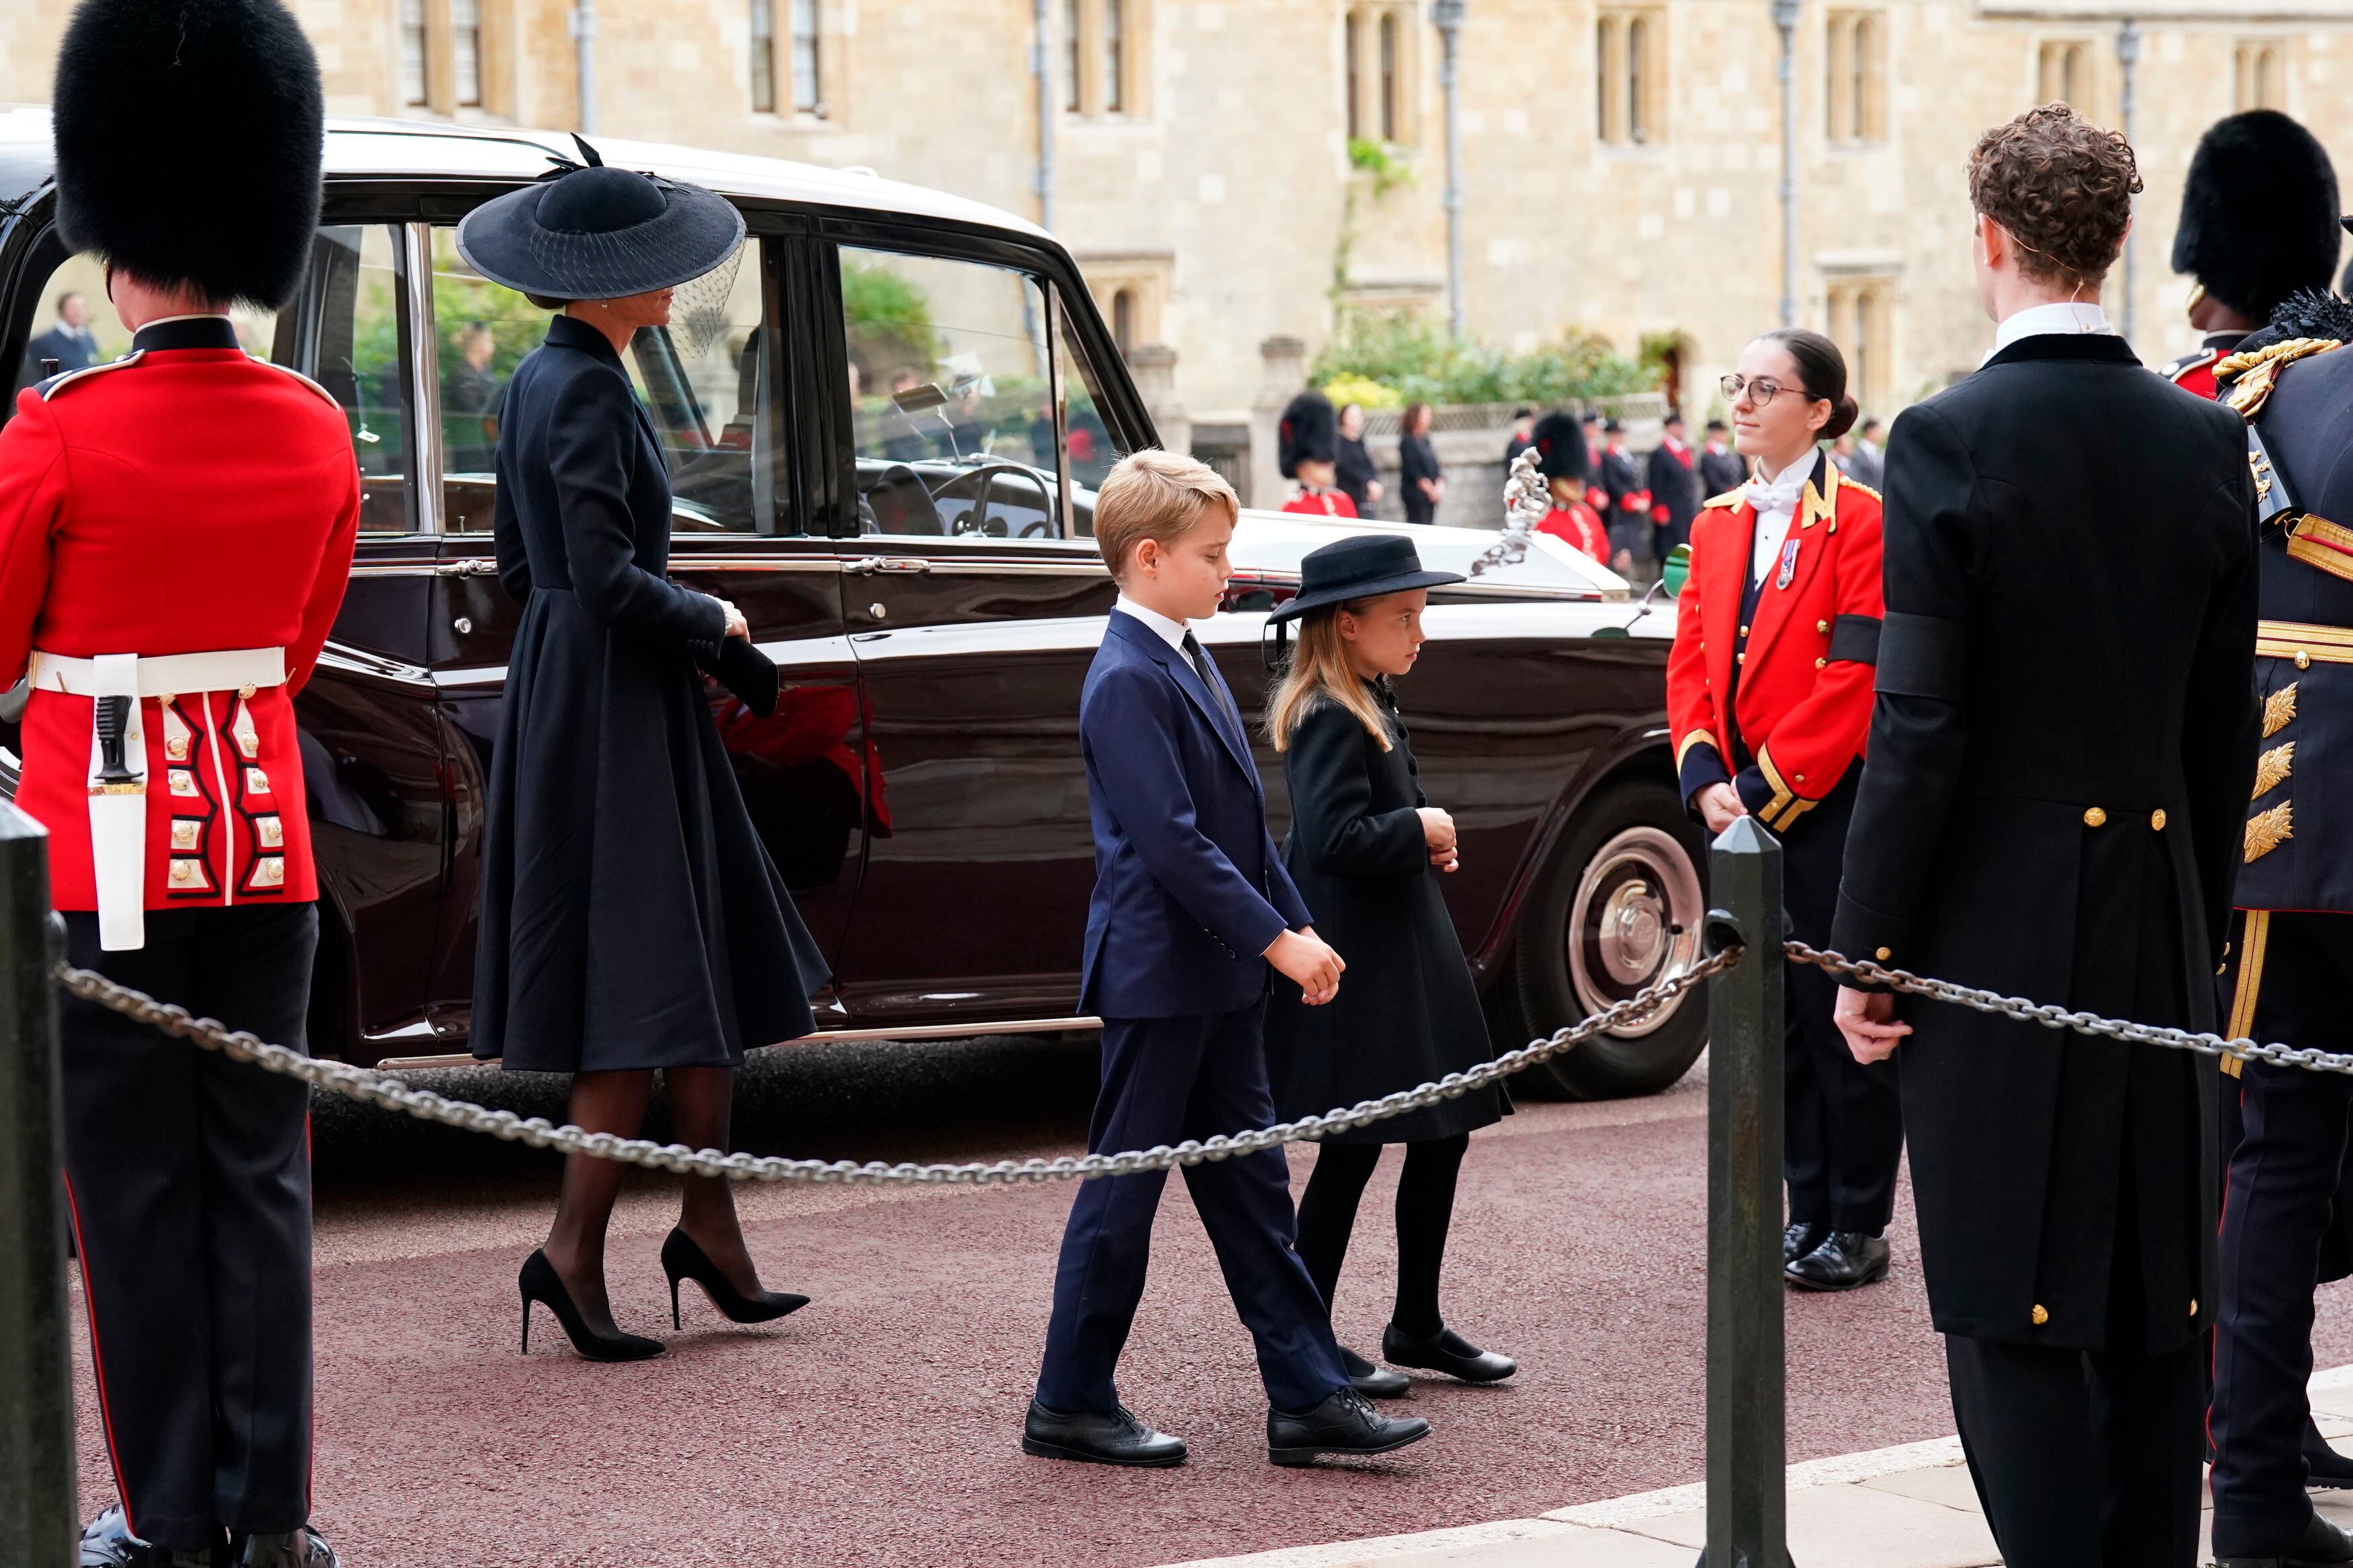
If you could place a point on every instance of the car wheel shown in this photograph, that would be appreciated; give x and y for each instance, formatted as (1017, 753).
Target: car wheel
(1620, 908)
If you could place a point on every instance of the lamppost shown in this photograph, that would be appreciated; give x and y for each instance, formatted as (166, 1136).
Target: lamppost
(1448, 16)
(583, 23)
(2128, 57)
(1041, 64)
(1785, 17)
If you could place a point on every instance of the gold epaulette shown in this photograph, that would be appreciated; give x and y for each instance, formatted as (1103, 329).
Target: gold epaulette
(2258, 371)
(1729, 498)
(1848, 484)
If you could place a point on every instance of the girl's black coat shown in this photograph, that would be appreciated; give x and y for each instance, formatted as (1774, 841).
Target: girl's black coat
(630, 917)
(1408, 1010)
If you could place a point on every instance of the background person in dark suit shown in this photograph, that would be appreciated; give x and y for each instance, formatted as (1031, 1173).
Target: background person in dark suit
(1628, 514)
(1721, 469)
(1353, 470)
(1421, 483)
(1674, 487)
(69, 343)
(1190, 905)
(2061, 750)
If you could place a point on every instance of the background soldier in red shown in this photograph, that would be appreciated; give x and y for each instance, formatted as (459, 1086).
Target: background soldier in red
(2258, 222)
(176, 532)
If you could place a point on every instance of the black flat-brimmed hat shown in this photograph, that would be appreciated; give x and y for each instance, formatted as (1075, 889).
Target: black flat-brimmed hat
(1363, 566)
(600, 233)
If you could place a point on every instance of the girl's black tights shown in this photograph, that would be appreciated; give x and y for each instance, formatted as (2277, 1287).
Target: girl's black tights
(1425, 1203)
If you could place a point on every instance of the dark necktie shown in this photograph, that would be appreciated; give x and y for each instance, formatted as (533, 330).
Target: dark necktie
(1200, 660)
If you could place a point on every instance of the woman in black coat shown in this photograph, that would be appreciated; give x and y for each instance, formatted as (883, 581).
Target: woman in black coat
(630, 918)
(1366, 848)
(1421, 483)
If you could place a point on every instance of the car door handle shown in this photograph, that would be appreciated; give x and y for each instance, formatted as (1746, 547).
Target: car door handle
(477, 567)
(896, 565)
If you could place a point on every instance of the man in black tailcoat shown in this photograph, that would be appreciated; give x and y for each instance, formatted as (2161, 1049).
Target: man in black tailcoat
(2060, 747)
(2292, 947)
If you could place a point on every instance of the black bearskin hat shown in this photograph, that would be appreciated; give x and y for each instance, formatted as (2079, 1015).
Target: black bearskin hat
(1309, 433)
(1560, 447)
(2259, 213)
(189, 134)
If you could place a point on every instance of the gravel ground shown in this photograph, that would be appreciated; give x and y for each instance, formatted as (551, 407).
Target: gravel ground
(879, 1425)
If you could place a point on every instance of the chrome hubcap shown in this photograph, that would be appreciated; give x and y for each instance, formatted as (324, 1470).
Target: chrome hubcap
(1634, 921)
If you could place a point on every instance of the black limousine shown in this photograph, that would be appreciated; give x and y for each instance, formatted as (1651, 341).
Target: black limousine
(883, 423)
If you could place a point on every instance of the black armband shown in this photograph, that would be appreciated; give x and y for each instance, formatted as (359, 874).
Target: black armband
(1854, 640)
(1922, 656)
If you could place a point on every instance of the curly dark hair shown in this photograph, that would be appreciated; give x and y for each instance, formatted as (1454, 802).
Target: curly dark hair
(2062, 187)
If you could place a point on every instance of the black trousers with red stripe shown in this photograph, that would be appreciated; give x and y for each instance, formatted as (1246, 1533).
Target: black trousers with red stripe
(189, 1176)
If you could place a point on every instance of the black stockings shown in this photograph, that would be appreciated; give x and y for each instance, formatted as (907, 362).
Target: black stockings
(1425, 1203)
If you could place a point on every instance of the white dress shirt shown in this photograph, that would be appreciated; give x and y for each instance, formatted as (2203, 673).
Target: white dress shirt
(1776, 500)
(2069, 316)
(1168, 631)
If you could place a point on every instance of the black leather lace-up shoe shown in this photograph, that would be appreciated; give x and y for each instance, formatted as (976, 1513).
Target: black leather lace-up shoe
(1799, 1239)
(106, 1543)
(304, 1548)
(1373, 1382)
(2319, 1544)
(1343, 1424)
(1113, 1436)
(1846, 1260)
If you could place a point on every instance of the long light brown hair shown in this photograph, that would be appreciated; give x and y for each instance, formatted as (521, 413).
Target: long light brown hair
(1319, 671)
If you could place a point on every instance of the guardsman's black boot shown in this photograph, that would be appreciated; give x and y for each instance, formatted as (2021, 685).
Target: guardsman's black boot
(2320, 1544)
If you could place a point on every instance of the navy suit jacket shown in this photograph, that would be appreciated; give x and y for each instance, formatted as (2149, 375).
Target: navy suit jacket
(1189, 888)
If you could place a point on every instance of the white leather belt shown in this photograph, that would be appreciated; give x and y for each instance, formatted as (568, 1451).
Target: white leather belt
(117, 805)
(164, 674)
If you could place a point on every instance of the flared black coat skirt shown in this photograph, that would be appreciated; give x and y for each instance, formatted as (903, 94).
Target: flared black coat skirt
(630, 917)
(1408, 1010)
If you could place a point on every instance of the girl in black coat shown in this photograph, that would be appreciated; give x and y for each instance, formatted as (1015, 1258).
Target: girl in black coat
(631, 918)
(1365, 849)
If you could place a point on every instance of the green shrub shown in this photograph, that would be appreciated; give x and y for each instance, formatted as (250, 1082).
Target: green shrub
(1415, 358)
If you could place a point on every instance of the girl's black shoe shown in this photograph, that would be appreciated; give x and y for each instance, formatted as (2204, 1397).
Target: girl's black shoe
(1445, 1352)
(681, 1259)
(540, 1282)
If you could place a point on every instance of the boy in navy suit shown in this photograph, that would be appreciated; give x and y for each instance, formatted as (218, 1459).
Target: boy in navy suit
(1191, 905)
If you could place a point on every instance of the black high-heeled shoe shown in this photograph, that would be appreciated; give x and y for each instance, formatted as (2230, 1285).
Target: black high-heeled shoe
(682, 1259)
(540, 1282)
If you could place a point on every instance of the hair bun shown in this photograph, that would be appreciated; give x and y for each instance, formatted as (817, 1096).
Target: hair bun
(1843, 413)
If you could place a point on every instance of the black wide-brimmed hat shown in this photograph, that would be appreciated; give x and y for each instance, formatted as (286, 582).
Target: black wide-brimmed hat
(600, 233)
(2259, 213)
(1363, 566)
(188, 140)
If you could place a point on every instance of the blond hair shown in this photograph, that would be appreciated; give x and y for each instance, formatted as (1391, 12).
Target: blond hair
(1151, 494)
(1319, 671)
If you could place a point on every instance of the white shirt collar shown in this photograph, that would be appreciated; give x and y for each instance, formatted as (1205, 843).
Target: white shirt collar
(1168, 631)
(1776, 502)
(2037, 321)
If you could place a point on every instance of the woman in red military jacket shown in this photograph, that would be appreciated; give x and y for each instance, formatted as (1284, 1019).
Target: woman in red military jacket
(1769, 695)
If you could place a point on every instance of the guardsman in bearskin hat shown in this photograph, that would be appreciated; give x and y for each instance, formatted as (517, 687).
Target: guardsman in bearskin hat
(1562, 460)
(175, 533)
(1307, 444)
(2291, 958)
(2258, 222)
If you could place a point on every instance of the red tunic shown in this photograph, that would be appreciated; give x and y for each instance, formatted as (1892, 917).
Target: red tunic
(1577, 523)
(183, 501)
(1803, 716)
(1321, 503)
(2195, 372)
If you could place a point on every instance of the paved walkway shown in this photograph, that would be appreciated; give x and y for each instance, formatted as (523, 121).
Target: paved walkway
(1907, 1507)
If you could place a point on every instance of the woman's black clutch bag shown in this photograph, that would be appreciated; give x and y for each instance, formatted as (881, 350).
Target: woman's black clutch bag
(746, 671)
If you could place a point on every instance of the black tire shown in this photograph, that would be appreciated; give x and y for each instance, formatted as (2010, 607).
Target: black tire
(1620, 906)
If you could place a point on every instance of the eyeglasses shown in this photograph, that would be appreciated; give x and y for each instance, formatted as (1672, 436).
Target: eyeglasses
(1761, 391)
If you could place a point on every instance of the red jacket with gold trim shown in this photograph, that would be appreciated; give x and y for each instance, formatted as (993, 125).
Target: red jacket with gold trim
(184, 499)
(1800, 672)
(1576, 525)
(1321, 503)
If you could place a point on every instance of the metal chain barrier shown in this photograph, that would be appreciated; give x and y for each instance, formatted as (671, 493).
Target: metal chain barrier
(2053, 1017)
(392, 1094)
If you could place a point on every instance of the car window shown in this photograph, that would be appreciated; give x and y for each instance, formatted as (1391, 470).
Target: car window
(346, 329)
(73, 323)
(952, 404)
(707, 379)
(1088, 444)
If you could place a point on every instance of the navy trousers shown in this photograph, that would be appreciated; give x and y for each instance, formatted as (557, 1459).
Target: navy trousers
(1165, 1080)
(2277, 1204)
(189, 1176)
